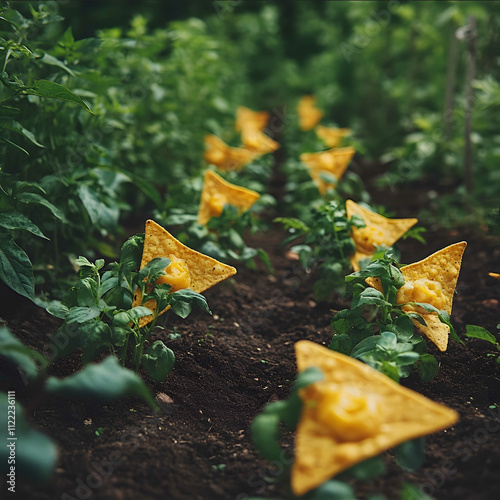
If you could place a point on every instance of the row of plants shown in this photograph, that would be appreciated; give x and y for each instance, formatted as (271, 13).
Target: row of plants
(112, 311)
(333, 405)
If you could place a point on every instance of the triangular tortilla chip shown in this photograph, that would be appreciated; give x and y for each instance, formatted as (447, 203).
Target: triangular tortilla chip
(379, 230)
(257, 141)
(309, 114)
(354, 413)
(332, 137)
(333, 161)
(217, 192)
(494, 275)
(249, 119)
(204, 271)
(432, 281)
(225, 157)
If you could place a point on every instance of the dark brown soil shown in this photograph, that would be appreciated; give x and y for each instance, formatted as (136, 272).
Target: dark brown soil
(231, 364)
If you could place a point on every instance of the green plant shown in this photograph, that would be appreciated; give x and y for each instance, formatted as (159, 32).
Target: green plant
(99, 315)
(222, 237)
(377, 330)
(34, 455)
(326, 246)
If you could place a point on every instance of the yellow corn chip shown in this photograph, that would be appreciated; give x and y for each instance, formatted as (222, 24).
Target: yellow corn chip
(257, 141)
(248, 119)
(494, 275)
(354, 413)
(217, 192)
(225, 157)
(432, 281)
(309, 115)
(333, 161)
(203, 271)
(332, 137)
(379, 230)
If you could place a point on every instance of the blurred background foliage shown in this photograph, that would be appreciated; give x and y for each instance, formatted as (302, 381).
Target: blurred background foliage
(158, 77)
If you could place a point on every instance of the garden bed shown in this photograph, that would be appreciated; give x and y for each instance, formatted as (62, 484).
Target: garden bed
(229, 365)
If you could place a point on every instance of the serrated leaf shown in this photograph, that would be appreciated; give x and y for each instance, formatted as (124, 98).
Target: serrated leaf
(158, 361)
(16, 270)
(52, 90)
(106, 381)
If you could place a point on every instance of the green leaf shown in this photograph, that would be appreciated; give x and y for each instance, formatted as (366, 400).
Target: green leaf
(413, 492)
(478, 332)
(13, 220)
(36, 454)
(368, 469)
(16, 270)
(82, 314)
(99, 212)
(17, 127)
(4, 139)
(332, 490)
(370, 296)
(341, 343)
(131, 253)
(106, 381)
(411, 454)
(182, 302)
(48, 59)
(123, 318)
(95, 335)
(158, 361)
(14, 350)
(265, 429)
(40, 200)
(58, 310)
(428, 367)
(52, 90)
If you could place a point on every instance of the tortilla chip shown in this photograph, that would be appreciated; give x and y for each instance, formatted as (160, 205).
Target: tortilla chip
(257, 141)
(225, 157)
(379, 230)
(331, 136)
(309, 115)
(214, 185)
(433, 281)
(392, 414)
(494, 275)
(204, 271)
(333, 161)
(248, 119)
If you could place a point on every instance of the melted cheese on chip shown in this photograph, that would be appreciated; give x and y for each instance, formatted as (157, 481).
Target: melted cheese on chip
(177, 276)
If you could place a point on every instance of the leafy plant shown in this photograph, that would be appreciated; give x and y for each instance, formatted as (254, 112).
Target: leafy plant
(376, 329)
(99, 314)
(326, 246)
(222, 237)
(35, 454)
